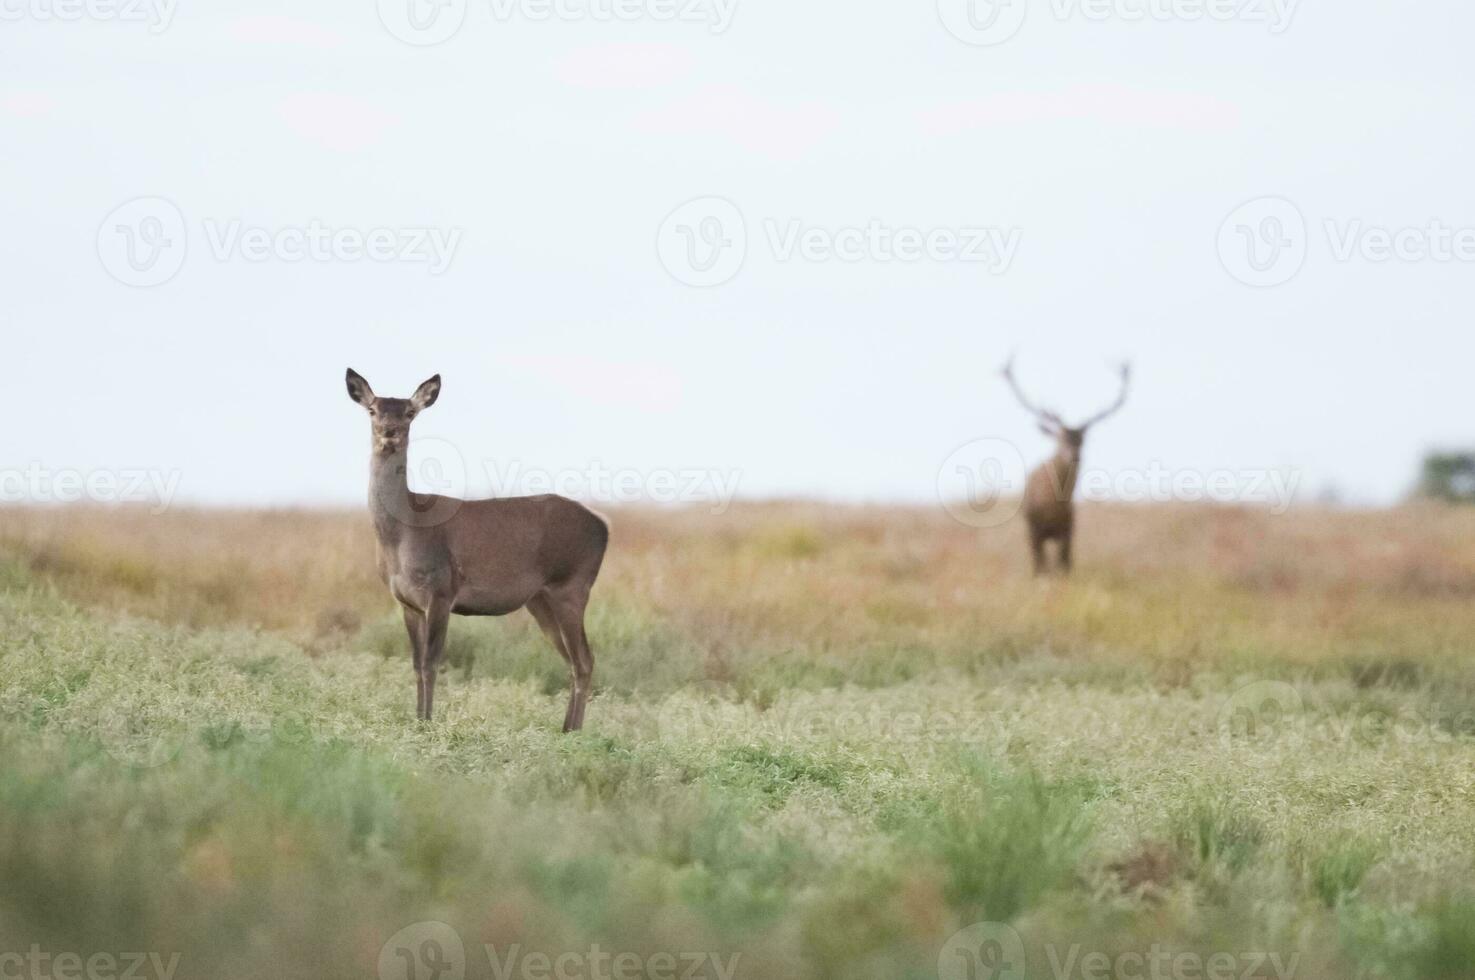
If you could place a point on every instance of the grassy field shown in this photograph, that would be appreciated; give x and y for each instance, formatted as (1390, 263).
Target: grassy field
(825, 742)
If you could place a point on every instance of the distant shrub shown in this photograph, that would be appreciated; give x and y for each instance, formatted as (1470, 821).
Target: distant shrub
(1448, 476)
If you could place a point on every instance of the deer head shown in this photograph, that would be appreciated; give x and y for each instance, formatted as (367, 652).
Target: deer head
(390, 418)
(1068, 439)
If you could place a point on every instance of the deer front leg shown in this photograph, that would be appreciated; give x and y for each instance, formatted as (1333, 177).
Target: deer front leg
(415, 626)
(437, 623)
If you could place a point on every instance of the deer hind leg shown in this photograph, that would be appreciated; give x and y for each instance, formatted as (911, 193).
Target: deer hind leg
(568, 605)
(1037, 550)
(583, 671)
(437, 622)
(542, 609)
(415, 626)
(1064, 553)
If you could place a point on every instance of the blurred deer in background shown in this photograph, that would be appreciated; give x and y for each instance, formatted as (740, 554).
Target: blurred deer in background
(440, 555)
(1049, 493)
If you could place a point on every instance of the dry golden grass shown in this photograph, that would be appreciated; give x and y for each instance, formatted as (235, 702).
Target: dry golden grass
(1176, 588)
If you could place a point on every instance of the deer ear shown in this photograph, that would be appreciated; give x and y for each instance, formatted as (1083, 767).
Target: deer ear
(358, 389)
(426, 394)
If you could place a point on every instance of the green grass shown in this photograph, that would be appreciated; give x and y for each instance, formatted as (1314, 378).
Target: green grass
(823, 799)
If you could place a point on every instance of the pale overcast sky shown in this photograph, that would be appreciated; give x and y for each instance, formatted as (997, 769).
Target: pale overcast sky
(524, 185)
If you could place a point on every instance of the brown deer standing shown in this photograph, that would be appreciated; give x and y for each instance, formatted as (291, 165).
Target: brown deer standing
(1049, 493)
(440, 555)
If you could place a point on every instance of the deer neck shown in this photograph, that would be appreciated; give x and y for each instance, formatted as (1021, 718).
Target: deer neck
(1067, 470)
(389, 494)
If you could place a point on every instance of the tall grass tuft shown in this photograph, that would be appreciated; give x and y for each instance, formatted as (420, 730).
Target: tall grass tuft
(1337, 870)
(1003, 838)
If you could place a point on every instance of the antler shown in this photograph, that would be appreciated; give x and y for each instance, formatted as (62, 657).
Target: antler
(1045, 416)
(1121, 399)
